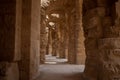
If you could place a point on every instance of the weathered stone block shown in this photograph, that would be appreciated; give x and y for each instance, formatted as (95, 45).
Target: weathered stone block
(96, 12)
(109, 43)
(107, 21)
(110, 55)
(110, 66)
(9, 71)
(92, 53)
(90, 4)
(95, 32)
(7, 30)
(91, 67)
(93, 24)
(110, 71)
(91, 44)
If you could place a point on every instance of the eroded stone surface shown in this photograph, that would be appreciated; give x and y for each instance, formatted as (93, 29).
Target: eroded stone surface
(9, 71)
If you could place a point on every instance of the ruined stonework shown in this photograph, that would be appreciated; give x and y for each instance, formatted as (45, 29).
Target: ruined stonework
(70, 41)
(102, 41)
(92, 31)
(9, 71)
(7, 30)
(71, 48)
(62, 40)
(43, 37)
(8, 51)
(24, 40)
(109, 53)
(109, 49)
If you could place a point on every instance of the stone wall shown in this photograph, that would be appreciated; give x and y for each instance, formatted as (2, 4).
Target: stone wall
(101, 40)
(9, 71)
(30, 40)
(62, 38)
(9, 42)
(118, 7)
(43, 37)
(35, 39)
(71, 44)
(7, 29)
(79, 34)
(76, 37)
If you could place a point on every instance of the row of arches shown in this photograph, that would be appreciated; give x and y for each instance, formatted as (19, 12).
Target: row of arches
(84, 27)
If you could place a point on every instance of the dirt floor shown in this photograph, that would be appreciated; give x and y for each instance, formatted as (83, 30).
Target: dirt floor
(55, 70)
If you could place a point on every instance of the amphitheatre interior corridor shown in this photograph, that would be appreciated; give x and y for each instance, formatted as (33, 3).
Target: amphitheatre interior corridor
(58, 69)
(59, 39)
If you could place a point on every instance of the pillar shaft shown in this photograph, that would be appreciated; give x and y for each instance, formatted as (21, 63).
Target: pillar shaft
(98, 21)
(49, 43)
(109, 46)
(43, 38)
(10, 21)
(92, 24)
(54, 42)
(79, 36)
(71, 48)
(62, 41)
(30, 39)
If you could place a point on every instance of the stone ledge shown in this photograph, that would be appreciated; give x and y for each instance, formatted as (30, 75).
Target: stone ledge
(109, 43)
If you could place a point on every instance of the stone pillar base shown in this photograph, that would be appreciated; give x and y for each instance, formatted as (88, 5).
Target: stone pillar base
(9, 71)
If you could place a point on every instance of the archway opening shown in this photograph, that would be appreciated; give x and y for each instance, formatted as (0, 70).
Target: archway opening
(62, 39)
(61, 32)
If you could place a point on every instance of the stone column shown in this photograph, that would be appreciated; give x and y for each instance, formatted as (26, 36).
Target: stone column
(43, 39)
(79, 36)
(58, 39)
(109, 45)
(62, 41)
(66, 36)
(54, 41)
(76, 50)
(92, 24)
(10, 22)
(49, 43)
(30, 40)
(71, 44)
(101, 40)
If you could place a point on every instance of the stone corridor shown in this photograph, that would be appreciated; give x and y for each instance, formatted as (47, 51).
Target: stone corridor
(52, 39)
(58, 69)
